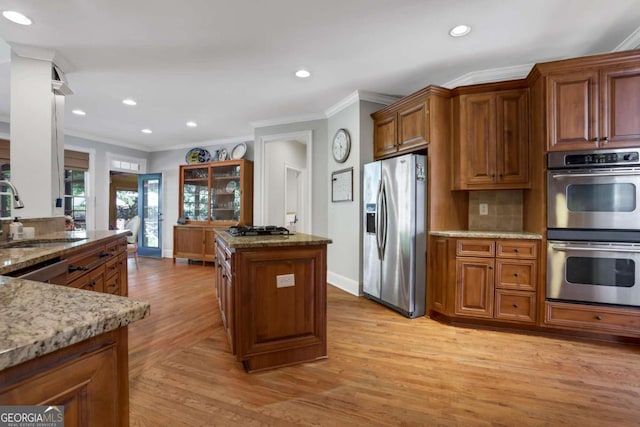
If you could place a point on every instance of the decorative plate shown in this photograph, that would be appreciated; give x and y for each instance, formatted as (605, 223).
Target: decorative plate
(197, 155)
(231, 186)
(239, 151)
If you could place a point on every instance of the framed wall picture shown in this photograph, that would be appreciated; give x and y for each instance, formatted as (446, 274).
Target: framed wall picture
(342, 185)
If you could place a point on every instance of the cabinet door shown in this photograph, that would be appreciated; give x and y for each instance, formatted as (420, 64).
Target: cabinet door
(572, 111)
(478, 138)
(439, 284)
(385, 135)
(620, 92)
(123, 271)
(474, 287)
(413, 126)
(188, 242)
(194, 193)
(209, 244)
(512, 137)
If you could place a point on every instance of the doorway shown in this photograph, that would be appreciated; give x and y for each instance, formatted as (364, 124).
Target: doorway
(272, 153)
(123, 198)
(294, 198)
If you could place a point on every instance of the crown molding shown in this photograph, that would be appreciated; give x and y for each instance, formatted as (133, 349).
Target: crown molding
(32, 52)
(490, 75)
(359, 95)
(631, 42)
(287, 120)
(104, 140)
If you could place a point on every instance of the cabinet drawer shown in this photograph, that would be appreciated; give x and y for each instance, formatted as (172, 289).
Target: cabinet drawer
(516, 274)
(594, 318)
(92, 281)
(517, 249)
(87, 260)
(475, 247)
(112, 284)
(516, 306)
(116, 247)
(112, 267)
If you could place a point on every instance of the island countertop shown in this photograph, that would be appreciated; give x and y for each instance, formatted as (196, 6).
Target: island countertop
(38, 318)
(16, 258)
(297, 239)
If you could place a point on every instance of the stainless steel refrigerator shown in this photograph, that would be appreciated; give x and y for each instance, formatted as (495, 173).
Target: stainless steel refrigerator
(395, 240)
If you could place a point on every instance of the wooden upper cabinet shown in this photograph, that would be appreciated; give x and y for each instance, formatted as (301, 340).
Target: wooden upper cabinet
(594, 108)
(402, 128)
(620, 95)
(385, 135)
(491, 142)
(413, 126)
(572, 112)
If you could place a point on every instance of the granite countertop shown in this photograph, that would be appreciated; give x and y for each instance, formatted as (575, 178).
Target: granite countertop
(488, 234)
(55, 244)
(297, 239)
(38, 318)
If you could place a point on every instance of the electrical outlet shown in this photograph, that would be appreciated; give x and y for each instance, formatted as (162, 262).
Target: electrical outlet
(484, 209)
(285, 280)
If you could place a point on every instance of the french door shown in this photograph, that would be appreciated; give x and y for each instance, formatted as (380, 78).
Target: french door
(150, 212)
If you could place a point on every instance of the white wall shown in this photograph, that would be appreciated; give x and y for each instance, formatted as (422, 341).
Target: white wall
(277, 155)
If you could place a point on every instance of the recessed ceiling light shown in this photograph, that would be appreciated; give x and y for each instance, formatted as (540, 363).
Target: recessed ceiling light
(146, 131)
(16, 17)
(129, 101)
(303, 74)
(460, 30)
(79, 113)
(192, 124)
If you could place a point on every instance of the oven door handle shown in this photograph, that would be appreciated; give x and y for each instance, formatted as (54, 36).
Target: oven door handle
(595, 248)
(594, 174)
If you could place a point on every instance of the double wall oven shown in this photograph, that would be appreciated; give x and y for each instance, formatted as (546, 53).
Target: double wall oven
(593, 220)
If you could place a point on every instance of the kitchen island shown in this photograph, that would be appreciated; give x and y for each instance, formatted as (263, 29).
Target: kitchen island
(67, 345)
(272, 297)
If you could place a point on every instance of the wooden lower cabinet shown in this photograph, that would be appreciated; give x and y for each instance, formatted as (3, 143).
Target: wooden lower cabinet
(273, 303)
(486, 279)
(614, 320)
(196, 242)
(90, 379)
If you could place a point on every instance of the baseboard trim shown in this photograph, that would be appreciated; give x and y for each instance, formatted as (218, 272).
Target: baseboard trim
(348, 285)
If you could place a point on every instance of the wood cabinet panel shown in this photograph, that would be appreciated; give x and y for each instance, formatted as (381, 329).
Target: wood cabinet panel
(413, 125)
(520, 249)
(515, 306)
(491, 142)
(572, 113)
(438, 269)
(614, 320)
(475, 247)
(621, 107)
(89, 379)
(516, 274)
(92, 281)
(474, 287)
(385, 135)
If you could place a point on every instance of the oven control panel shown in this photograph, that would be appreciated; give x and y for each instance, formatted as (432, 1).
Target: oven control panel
(594, 158)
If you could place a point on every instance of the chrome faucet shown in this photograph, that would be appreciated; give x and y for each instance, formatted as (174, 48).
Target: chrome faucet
(17, 203)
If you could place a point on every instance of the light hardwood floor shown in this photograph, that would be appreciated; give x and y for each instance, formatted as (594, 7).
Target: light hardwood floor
(382, 369)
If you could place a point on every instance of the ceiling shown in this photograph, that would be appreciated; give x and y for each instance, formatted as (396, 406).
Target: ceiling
(228, 64)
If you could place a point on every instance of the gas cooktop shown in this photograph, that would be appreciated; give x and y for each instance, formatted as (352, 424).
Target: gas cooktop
(257, 230)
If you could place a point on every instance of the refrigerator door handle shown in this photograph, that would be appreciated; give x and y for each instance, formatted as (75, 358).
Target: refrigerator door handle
(379, 220)
(385, 219)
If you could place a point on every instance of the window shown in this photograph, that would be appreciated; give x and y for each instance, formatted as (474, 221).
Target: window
(6, 196)
(75, 198)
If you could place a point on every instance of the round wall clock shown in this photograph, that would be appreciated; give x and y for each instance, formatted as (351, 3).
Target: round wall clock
(341, 145)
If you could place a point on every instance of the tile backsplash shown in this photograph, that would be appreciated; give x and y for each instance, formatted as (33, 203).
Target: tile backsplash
(504, 213)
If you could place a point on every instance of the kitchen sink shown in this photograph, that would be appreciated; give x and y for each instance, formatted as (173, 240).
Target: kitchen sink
(38, 243)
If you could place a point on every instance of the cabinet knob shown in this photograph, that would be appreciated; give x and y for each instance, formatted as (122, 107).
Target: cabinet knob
(515, 274)
(596, 139)
(605, 139)
(515, 305)
(490, 268)
(516, 250)
(598, 317)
